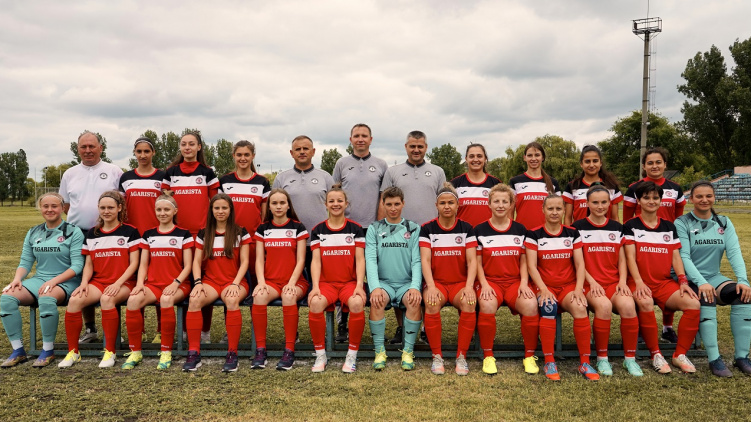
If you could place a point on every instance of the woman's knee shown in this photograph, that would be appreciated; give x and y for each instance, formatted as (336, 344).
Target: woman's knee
(488, 306)
(355, 304)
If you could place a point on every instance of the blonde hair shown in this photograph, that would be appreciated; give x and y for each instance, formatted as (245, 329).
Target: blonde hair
(120, 200)
(502, 188)
(44, 195)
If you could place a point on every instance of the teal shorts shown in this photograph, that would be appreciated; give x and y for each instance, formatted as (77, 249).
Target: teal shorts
(34, 283)
(396, 293)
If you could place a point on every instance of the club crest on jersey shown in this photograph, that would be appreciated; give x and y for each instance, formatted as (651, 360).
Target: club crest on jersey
(720, 230)
(120, 242)
(348, 239)
(288, 233)
(102, 176)
(314, 181)
(611, 236)
(407, 235)
(372, 168)
(567, 243)
(428, 174)
(666, 238)
(60, 239)
(485, 192)
(517, 241)
(254, 189)
(199, 180)
(458, 240)
(173, 242)
(157, 185)
(668, 193)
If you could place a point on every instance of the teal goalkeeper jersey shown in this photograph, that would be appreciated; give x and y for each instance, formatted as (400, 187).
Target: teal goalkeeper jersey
(703, 243)
(54, 250)
(392, 254)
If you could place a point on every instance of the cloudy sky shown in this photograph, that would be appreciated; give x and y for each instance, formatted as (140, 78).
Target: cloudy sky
(497, 72)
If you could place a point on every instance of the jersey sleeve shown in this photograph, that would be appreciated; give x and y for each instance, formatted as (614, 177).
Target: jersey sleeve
(424, 237)
(414, 244)
(629, 204)
(245, 238)
(120, 186)
(76, 258)
(134, 241)
(315, 241)
(441, 179)
(266, 191)
(167, 182)
(359, 236)
(27, 253)
(556, 186)
(628, 234)
(337, 171)
(302, 233)
(258, 235)
(691, 271)
(199, 239)
(64, 188)
(568, 194)
(578, 244)
(471, 240)
(733, 250)
(386, 182)
(212, 183)
(530, 241)
(188, 242)
(329, 181)
(371, 258)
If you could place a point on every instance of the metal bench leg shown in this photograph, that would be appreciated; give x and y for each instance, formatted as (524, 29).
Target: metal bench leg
(330, 331)
(33, 330)
(558, 333)
(179, 329)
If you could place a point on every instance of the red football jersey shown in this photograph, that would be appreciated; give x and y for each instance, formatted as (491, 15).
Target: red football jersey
(280, 248)
(671, 206)
(219, 268)
(140, 193)
(448, 249)
(473, 198)
(247, 195)
(654, 249)
(501, 252)
(110, 252)
(555, 254)
(578, 198)
(165, 254)
(193, 186)
(601, 248)
(337, 250)
(530, 193)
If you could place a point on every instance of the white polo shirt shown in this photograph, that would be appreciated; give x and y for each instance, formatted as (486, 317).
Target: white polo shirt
(81, 187)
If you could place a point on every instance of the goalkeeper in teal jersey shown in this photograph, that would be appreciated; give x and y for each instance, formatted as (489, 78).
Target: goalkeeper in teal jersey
(56, 247)
(394, 274)
(705, 237)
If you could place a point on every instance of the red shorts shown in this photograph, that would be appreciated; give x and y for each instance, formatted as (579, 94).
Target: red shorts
(220, 287)
(341, 291)
(560, 292)
(505, 293)
(301, 283)
(158, 289)
(449, 291)
(662, 292)
(130, 284)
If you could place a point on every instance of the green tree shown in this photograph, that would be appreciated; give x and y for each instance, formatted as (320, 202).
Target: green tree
(77, 158)
(20, 174)
(51, 174)
(621, 151)
(223, 163)
(717, 113)
(448, 158)
(329, 159)
(167, 150)
(349, 149)
(6, 175)
(561, 162)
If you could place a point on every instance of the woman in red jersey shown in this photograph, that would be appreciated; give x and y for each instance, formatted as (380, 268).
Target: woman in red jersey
(652, 250)
(448, 252)
(556, 266)
(338, 272)
(219, 268)
(593, 171)
(280, 259)
(473, 186)
(192, 183)
(502, 278)
(162, 277)
(605, 261)
(111, 249)
(532, 187)
(654, 164)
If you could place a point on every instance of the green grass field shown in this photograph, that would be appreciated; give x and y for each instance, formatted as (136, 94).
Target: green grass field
(87, 392)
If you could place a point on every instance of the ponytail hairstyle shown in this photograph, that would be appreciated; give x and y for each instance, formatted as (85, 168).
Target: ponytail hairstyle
(290, 211)
(447, 188)
(200, 156)
(545, 177)
(608, 178)
(252, 147)
(474, 145)
(145, 140)
(168, 197)
(232, 231)
(707, 183)
(120, 200)
(44, 195)
(502, 188)
(337, 187)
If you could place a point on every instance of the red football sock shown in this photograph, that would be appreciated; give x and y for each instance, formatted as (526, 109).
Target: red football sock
(601, 328)
(143, 317)
(207, 312)
(73, 325)
(668, 318)
(630, 336)
(134, 325)
(110, 324)
(291, 319)
(193, 322)
(467, 321)
(583, 336)
(168, 327)
(158, 318)
(486, 327)
(648, 326)
(356, 328)
(233, 323)
(530, 331)
(259, 319)
(317, 323)
(547, 338)
(687, 331)
(433, 331)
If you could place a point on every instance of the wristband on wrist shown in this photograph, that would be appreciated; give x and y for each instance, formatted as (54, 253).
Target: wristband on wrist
(682, 280)
(176, 281)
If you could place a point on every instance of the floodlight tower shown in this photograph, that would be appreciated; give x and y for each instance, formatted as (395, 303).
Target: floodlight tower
(645, 27)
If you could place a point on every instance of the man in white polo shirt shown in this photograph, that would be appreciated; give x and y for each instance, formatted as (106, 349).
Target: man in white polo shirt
(80, 188)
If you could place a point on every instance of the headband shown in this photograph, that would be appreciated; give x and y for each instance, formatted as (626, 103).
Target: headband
(166, 200)
(144, 139)
(448, 192)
